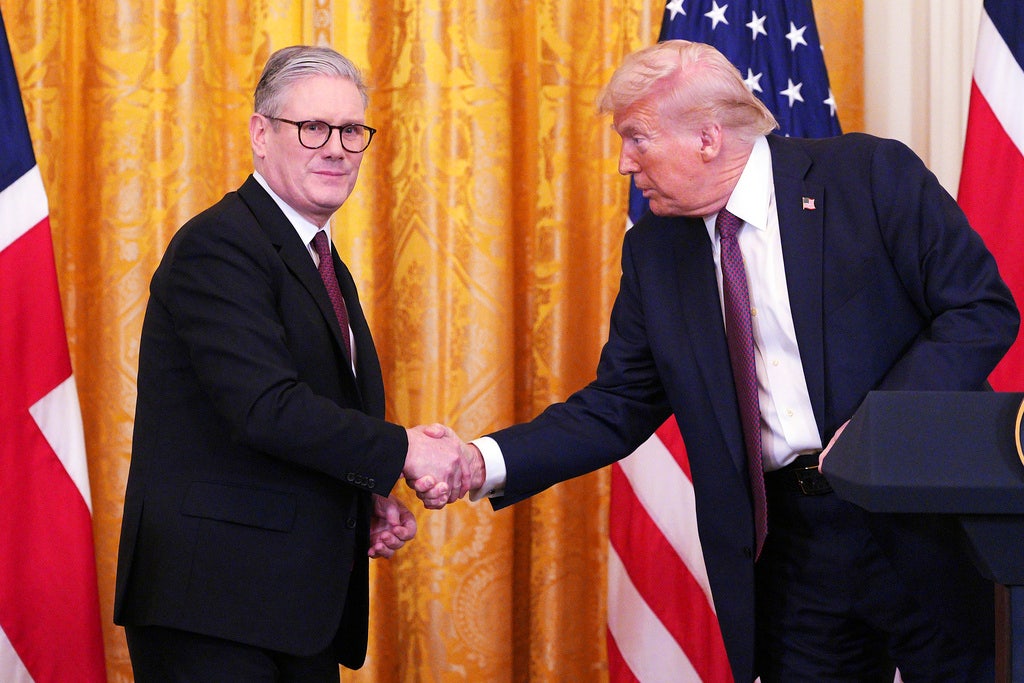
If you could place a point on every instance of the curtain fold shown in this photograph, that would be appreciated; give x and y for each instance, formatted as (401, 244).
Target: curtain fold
(483, 234)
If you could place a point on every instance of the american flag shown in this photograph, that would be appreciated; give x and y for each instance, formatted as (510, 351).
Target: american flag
(992, 178)
(661, 615)
(49, 604)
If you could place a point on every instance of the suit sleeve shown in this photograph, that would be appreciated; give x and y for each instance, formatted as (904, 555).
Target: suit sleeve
(261, 355)
(953, 280)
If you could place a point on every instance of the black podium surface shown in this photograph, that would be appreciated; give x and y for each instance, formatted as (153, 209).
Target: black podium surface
(931, 451)
(947, 453)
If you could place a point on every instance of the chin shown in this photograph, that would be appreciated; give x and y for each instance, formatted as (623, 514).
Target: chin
(335, 196)
(659, 209)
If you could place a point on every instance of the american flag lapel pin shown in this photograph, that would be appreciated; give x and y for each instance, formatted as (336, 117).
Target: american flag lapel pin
(808, 203)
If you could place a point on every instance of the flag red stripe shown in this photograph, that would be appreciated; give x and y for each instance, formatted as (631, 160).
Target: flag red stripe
(33, 347)
(669, 435)
(665, 582)
(992, 195)
(618, 670)
(47, 572)
(48, 587)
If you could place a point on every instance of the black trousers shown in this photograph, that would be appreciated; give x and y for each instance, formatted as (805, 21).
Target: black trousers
(165, 655)
(835, 604)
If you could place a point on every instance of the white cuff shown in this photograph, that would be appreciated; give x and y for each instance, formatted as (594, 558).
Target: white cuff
(495, 472)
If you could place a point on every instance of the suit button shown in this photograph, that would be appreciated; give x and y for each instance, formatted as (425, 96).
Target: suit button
(370, 482)
(351, 477)
(350, 523)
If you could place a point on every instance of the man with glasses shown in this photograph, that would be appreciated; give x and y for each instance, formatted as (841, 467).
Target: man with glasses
(262, 465)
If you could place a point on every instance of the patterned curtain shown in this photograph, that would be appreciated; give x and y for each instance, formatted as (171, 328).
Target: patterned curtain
(483, 233)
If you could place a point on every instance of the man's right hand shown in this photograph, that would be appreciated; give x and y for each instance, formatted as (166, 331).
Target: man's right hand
(434, 466)
(434, 488)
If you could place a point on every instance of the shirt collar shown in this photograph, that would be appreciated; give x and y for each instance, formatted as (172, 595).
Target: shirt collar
(302, 226)
(751, 199)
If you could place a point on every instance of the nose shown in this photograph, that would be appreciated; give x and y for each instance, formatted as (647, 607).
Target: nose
(333, 146)
(627, 165)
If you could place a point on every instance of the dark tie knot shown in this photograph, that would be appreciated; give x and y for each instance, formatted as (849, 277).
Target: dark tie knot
(321, 244)
(727, 224)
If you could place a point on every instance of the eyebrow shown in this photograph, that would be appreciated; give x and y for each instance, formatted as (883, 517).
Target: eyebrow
(629, 129)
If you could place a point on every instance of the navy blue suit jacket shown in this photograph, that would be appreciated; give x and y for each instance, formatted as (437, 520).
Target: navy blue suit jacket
(255, 450)
(889, 286)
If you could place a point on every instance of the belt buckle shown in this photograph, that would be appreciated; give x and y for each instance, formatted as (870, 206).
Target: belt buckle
(812, 482)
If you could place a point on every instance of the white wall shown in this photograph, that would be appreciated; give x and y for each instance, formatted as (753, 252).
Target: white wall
(918, 59)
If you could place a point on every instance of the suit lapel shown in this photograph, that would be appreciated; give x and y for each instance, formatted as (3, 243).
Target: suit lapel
(802, 231)
(367, 362)
(701, 309)
(296, 258)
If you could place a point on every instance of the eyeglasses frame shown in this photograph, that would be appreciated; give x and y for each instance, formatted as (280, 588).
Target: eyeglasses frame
(298, 130)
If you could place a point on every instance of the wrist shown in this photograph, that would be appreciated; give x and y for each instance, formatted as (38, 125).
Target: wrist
(477, 467)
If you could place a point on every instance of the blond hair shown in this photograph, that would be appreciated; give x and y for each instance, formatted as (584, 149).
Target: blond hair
(697, 82)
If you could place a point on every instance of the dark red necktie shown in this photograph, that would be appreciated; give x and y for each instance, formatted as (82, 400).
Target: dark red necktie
(327, 274)
(740, 336)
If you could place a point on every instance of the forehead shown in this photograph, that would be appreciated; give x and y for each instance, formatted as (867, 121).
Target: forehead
(642, 115)
(323, 97)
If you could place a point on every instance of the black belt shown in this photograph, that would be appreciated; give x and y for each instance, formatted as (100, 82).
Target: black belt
(801, 475)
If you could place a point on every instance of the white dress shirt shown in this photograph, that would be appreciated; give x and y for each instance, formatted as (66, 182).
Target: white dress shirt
(787, 418)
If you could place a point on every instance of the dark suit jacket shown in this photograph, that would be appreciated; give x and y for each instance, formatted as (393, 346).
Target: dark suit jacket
(889, 287)
(255, 449)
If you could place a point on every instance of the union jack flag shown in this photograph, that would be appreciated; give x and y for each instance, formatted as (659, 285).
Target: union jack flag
(50, 629)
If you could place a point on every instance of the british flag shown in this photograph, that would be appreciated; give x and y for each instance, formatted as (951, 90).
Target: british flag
(49, 604)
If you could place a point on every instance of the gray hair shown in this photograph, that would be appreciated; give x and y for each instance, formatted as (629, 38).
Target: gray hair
(291, 64)
(697, 81)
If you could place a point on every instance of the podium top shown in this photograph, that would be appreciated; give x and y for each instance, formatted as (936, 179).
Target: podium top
(931, 452)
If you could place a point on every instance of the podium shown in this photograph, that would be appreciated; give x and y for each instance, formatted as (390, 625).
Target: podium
(951, 454)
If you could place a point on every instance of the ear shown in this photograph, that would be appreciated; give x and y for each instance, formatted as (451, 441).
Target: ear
(710, 140)
(258, 135)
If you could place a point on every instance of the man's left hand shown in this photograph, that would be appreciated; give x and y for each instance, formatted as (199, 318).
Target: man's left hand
(392, 525)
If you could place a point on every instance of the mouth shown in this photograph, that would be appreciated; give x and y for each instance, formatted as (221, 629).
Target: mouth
(331, 172)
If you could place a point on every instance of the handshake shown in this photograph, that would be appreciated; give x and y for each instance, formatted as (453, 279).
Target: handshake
(440, 467)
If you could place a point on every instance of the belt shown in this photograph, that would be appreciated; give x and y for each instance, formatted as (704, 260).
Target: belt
(801, 475)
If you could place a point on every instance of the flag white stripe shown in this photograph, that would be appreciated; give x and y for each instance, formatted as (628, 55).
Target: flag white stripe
(11, 666)
(651, 652)
(1000, 79)
(22, 205)
(667, 494)
(59, 417)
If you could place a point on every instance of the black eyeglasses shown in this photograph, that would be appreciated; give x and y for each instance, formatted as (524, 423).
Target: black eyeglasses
(355, 137)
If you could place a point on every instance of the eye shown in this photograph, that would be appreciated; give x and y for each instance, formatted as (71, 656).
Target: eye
(314, 127)
(635, 141)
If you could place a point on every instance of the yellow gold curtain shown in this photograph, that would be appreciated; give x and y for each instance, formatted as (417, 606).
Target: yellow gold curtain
(484, 235)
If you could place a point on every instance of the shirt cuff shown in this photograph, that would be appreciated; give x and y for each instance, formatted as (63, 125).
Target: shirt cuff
(494, 472)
